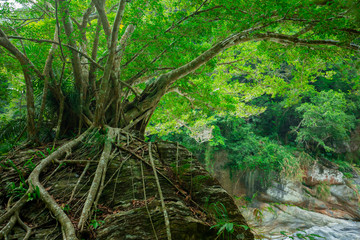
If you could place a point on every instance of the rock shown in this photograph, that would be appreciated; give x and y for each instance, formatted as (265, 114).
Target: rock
(281, 218)
(122, 212)
(321, 174)
(287, 192)
(334, 231)
(343, 192)
(322, 198)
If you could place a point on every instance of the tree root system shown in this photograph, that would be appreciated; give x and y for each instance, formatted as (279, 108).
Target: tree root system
(79, 183)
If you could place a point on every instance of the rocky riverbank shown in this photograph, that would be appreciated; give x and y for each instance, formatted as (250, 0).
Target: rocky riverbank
(323, 203)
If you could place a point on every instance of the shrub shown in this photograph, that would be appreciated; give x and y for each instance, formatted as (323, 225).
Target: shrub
(325, 122)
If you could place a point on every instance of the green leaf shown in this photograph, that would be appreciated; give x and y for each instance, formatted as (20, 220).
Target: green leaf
(244, 226)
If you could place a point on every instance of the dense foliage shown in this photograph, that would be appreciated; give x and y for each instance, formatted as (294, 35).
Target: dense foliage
(325, 122)
(289, 134)
(196, 57)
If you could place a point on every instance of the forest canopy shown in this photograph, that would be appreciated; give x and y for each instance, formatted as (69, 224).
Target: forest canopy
(110, 63)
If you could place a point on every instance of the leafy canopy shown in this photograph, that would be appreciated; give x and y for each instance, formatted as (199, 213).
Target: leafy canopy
(251, 41)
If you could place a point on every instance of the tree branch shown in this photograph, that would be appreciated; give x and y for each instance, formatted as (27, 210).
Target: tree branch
(131, 80)
(104, 85)
(58, 43)
(75, 59)
(286, 39)
(46, 73)
(99, 4)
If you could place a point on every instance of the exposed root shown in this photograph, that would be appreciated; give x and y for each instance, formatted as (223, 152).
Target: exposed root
(95, 186)
(117, 177)
(52, 174)
(102, 185)
(51, 204)
(78, 182)
(145, 200)
(8, 227)
(85, 203)
(35, 185)
(15, 208)
(117, 173)
(132, 180)
(76, 205)
(181, 191)
(24, 226)
(166, 216)
(54, 229)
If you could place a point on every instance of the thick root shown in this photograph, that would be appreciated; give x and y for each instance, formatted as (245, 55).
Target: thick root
(8, 227)
(95, 186)
(166, 216)
(86, 201)
(51, 204)
(15, 208)
(24, 226)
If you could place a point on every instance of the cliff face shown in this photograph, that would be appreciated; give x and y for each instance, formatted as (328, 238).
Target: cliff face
(190, 193)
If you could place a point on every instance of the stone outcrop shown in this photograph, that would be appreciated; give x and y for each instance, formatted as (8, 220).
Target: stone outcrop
(288, 205)
(289, 219)
(318, 173)
(122, 211)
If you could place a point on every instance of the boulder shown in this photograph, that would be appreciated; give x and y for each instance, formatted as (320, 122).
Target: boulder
(289, 219)
(122, 212)
(319, 173)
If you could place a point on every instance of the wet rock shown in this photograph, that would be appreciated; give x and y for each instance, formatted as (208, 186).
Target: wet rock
(344, 192)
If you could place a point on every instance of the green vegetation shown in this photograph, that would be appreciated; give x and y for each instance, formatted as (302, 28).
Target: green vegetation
(323, 191)
(325, 121)
(96, 223)
(288, 135)
(273, 84)
(302, 235)
(225, 228)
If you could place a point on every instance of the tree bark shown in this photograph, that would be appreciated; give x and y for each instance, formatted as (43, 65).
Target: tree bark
(29, 70)
(105, 83)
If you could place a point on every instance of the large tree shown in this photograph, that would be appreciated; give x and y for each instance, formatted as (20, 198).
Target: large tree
(108, 63)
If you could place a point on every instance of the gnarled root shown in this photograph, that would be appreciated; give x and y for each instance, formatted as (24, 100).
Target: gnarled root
(166, 216)
(24, 226)
(115, 139)
(15, 208)
(51, 204)
(8, 227)
(96, 186)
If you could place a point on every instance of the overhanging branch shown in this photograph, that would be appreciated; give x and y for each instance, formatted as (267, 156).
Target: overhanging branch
(282, 38)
